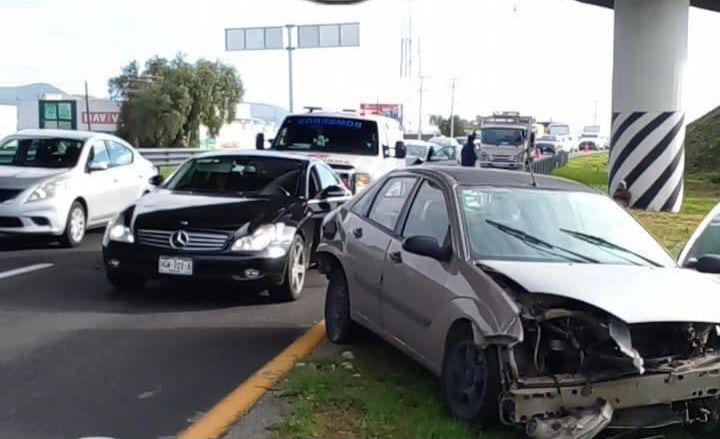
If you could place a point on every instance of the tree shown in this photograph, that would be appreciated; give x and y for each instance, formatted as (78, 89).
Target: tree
(443, 124)
(168, 100)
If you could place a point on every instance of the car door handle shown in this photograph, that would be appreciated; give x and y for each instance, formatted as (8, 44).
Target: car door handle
(358, 233)
(396, 257)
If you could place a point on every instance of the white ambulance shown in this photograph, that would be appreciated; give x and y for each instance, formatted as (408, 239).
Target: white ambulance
(361, 149)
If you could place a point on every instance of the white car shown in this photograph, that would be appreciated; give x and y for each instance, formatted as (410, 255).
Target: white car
(62, 182)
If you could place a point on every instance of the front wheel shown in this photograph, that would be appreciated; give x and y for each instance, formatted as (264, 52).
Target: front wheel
(294, 281)
(471, 379)
(74, 226)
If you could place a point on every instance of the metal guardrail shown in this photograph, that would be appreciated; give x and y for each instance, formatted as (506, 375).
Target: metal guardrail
(169, 156)
(546, 165)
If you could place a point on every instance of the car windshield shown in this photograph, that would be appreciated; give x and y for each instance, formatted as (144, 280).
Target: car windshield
(238, 176)
(328, 135)
(41, 152)
(554, 226)
(502, 136)
(708, 241)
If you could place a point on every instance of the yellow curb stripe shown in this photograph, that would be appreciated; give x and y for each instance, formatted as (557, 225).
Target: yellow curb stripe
(228, 411)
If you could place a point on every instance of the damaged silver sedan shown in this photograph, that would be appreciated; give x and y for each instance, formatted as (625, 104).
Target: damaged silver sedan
(538, 302)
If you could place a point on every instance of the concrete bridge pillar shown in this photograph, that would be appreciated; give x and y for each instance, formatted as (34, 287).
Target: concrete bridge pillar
(648, 121)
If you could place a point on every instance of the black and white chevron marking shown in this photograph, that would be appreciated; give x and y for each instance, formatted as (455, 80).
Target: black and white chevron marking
(648, 153)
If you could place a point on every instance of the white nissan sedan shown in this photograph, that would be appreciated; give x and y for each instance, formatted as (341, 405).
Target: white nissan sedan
(62, 182)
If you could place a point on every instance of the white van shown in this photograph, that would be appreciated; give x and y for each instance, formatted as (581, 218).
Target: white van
(361, 149)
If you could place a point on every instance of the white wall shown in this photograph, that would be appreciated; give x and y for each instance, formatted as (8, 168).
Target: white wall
(8, 120)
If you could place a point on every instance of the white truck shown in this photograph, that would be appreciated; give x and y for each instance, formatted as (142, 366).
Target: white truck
(506, 139)
(360, 149)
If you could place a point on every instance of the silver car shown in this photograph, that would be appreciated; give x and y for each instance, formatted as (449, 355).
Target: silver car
(538, 302)
(61, 183)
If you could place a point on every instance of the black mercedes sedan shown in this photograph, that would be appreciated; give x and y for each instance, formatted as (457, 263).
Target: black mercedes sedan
(247, 217)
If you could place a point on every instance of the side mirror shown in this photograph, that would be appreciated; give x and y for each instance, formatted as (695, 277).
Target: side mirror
(260, 141)
(156, 180)
(332, 192)
(708, 264)
(400, 151)
(413, 161)
(427, 246)
(98, 166)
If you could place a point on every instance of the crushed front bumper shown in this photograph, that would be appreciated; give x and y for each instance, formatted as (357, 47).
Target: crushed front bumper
(539, 398)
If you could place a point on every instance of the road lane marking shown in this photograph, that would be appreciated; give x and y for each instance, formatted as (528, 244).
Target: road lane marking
(227, 412)
(23, 270)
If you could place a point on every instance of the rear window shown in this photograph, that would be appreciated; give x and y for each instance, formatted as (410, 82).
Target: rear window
(328, 135)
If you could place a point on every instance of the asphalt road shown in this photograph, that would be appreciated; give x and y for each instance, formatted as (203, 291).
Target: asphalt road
(79, 359)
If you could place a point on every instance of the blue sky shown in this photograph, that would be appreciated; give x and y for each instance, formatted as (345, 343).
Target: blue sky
(550, 58)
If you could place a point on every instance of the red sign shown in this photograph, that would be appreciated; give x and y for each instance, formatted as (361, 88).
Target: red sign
(388, 110)
(101, 117)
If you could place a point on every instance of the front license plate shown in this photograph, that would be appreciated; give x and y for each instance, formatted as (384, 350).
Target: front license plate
(175, 265)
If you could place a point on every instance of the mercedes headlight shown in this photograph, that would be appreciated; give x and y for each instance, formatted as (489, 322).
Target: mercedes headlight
(361, 180)
(117, 231)
(47, 190)
(263, 237)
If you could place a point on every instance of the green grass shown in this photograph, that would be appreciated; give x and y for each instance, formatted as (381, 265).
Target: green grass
(385, 395)
(165, 171)
(395, 398)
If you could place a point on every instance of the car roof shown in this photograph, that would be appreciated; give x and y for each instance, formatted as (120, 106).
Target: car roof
(373, 117)
(66, 134)
(257, 153)
(466, 176)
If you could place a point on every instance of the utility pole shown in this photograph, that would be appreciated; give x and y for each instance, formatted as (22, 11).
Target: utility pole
(420, 109)
(452, 110)
(290, 49)
(87, 108)
(595, 115)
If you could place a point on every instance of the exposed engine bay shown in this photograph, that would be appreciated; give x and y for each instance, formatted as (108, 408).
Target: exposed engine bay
(580, 370)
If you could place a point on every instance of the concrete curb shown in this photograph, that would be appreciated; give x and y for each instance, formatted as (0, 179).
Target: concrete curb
(220, 418)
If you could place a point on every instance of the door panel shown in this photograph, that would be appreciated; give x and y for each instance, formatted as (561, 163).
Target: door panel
(366, 248)
(413, 288)
(367, 242)
(98, 187)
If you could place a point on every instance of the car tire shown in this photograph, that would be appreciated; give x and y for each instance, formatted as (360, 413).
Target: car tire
(75, 226)
(295, 273)
(339, 326)
(125, 281)
(470, 378)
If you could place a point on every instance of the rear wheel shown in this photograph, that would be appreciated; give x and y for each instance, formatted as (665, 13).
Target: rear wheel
(297, 264)
(125, 281)
(339, 327)
(471, 378)
(74, 226)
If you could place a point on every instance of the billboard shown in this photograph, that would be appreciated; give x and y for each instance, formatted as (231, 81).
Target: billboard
(394, 111)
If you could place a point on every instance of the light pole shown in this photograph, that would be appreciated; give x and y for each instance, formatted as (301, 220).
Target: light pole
(290, 49)
(452, 110)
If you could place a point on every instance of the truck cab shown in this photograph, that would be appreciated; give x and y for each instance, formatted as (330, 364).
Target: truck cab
(506, 139)
(360, 149)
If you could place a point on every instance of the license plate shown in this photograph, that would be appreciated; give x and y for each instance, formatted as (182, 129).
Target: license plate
(175, 265)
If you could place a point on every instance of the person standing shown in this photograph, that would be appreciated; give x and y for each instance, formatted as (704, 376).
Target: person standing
(467, 155)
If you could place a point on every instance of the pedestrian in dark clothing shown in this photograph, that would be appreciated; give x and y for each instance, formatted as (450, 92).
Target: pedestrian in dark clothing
(467, 156)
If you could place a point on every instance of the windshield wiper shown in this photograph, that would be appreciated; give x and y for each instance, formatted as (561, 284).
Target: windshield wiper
(601, 242)
(537, 242)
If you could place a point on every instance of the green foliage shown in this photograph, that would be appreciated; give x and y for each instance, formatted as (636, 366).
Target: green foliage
(702, 145)
(462, 126)
(165, 103)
